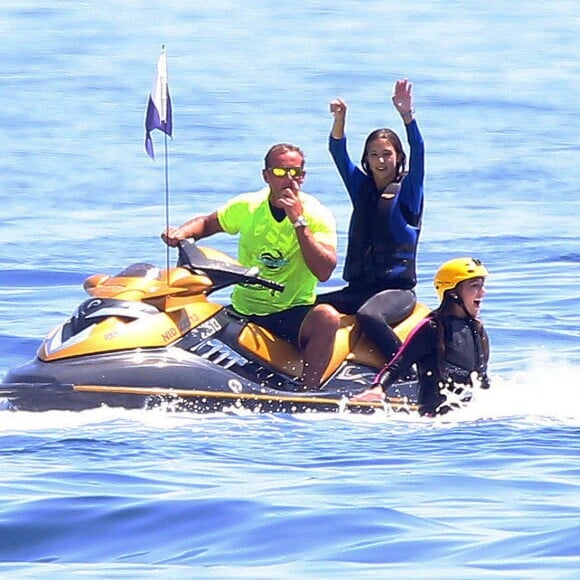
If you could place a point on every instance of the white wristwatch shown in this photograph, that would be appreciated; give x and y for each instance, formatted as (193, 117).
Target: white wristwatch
(300, 222)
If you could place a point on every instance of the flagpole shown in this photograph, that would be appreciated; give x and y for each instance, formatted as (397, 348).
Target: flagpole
(167, 206)
(159, 116)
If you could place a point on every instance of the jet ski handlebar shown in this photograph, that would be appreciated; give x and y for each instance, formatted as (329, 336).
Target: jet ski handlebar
(220, 268)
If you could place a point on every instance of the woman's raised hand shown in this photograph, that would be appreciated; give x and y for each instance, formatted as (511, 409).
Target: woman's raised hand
(403, 97)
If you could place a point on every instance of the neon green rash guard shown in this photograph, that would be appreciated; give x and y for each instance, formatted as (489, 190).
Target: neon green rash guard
(273, 247)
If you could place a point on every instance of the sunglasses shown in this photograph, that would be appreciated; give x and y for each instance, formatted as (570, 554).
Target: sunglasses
(284, 171)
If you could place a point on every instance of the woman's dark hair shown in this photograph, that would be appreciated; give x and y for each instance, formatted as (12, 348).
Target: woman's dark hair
(394, 140)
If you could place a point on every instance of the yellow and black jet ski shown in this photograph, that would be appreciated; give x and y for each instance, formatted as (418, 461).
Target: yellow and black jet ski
(149, 336)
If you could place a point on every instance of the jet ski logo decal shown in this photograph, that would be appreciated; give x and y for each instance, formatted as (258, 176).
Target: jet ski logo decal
(235, 386)
(355, 375)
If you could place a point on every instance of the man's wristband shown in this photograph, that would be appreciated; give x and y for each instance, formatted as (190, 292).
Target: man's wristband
(408, 116)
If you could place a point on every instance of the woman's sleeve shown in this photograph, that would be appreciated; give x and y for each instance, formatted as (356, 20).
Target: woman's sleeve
(350, 174)
(417, 346)
(412, 190)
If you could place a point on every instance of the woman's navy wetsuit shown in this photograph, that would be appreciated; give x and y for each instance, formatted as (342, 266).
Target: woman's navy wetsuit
(458, 357)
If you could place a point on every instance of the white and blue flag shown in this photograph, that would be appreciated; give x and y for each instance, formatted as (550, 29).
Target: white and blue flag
(158, 114)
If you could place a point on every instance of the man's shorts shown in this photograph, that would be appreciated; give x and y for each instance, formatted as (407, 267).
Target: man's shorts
(285, 324)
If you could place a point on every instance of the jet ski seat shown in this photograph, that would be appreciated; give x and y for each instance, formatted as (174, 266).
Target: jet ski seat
(285, 358)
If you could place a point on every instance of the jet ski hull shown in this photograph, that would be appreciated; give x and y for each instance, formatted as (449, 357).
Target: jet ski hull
(182, 382)
(147, 336)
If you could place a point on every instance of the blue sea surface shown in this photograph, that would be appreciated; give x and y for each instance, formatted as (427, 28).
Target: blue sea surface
(490, 492)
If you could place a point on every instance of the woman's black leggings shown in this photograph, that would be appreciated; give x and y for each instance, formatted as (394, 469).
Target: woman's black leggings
(376, 313)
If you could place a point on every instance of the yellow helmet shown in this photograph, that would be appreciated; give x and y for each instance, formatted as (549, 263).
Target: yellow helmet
(455, 271)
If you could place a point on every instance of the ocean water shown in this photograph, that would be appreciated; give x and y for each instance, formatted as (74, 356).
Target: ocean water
(491, 492)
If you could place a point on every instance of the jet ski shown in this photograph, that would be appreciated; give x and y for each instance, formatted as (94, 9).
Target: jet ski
(150, 337)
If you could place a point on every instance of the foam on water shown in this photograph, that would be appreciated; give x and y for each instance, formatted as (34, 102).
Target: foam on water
(544, 390)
